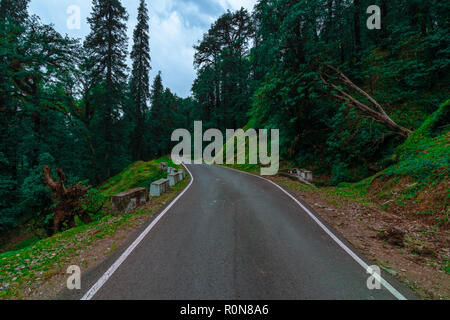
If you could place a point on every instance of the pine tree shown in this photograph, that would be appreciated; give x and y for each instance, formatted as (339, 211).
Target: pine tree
(221, 58)
(139, 83)
(35, 71)
(107, 47)
(14, 10)
(156, 127)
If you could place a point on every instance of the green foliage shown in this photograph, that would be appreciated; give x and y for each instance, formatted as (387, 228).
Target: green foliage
(168, 112)
(8, 214)
(26, 243)
(73, 106)
(404, 66)
(422, 162)
(37, 68)
(139, 82)
(93, 203)
(426, 153)
(106, 49)
(435, 125)
(35, 195)
(223, 86)
(445, 265)
(138, 174)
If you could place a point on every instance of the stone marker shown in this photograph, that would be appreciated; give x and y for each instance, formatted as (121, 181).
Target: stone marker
(305, 174)
(308, 175)
(171, 170)
(163, 166)
(302, 173)
(173, 179)
(129, 200)
(157, 188)
(180, 175)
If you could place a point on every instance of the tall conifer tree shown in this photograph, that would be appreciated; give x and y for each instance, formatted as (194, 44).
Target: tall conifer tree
(139, 82)
(156, 114)
(107, 46)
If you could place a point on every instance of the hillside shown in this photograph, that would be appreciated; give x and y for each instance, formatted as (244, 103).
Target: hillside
(418, 183)
(138, 174)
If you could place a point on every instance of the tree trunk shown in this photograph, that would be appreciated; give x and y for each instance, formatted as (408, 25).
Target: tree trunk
(66, 200)
(378, 114)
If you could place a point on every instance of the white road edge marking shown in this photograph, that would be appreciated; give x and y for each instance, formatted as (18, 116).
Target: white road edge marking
(100, 282)
(386, 284)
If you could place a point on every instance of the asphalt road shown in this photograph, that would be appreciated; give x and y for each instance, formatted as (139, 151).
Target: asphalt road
(236, 236)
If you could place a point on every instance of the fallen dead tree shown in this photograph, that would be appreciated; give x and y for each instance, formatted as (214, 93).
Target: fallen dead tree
(68, 201)
(377, 113)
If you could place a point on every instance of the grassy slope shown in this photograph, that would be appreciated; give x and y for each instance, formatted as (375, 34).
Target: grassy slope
(138, 174)
(24, 270)
(419, 181)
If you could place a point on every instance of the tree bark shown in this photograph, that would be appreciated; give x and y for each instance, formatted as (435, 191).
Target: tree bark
(67, 200)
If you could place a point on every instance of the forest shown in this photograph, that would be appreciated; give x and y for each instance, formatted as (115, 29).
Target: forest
(343, 96)
(76, 106)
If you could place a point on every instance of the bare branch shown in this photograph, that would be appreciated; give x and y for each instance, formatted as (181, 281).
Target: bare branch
(379, 115)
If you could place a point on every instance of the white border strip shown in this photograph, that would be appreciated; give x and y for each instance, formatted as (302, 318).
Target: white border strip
(378, 277)
(90, 294)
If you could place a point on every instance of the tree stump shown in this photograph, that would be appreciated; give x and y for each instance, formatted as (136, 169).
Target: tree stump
(67, 200)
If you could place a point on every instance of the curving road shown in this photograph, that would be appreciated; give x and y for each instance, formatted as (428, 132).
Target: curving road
(235, 236)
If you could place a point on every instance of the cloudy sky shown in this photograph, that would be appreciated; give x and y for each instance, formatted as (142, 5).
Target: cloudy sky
(175, 26)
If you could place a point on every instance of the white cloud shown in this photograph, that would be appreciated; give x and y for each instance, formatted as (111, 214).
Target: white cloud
(171, 41)
(175, 27)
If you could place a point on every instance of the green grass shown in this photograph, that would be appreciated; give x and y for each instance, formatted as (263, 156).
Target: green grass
(36, 263)
(445, 265)
(138, 174)
(251, 168)
(424, 159)
(26, 243)
(425, 155)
